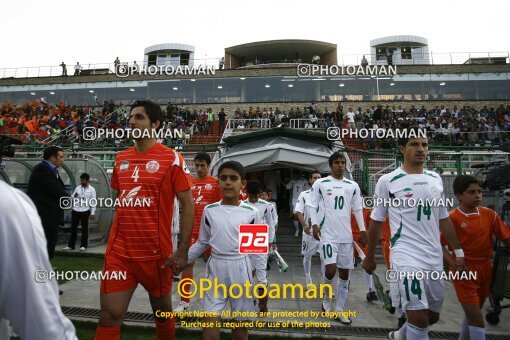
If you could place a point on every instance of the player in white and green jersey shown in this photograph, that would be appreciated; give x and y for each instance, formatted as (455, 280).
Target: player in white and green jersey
(295, 187)
(339, 197)
(219, 229)
(309, 245)
(259, 261)
(266, 195)
(415, 243)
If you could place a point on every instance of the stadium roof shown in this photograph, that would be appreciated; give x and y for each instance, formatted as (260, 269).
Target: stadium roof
(306, 135)
(305, 48)
(278, 148)
(276, 50)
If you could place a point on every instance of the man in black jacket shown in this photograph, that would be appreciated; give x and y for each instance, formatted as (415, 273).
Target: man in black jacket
(45, 188)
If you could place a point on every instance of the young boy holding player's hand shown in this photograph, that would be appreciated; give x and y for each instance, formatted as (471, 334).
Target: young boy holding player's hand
(219, 229)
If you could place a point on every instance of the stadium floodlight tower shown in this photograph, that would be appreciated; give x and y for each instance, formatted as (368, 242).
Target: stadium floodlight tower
(399, 50)
(169, 54)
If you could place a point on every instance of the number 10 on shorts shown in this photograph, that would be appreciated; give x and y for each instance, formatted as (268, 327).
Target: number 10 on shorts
(253, 239)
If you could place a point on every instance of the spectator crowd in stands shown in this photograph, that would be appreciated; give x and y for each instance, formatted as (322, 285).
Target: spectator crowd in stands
(37, 121)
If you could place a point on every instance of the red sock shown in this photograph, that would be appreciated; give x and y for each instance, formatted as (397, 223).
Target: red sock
(165, 330)
(186, 287)
(107, 333)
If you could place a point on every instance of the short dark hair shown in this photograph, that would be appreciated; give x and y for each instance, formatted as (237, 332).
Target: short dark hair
(85, 176)
(253, 187)
(152, 110)
(334, 157)
(462, 183)
(310, 175)
(51, 151)
(236, 166)
(403, 141)
(203, 156)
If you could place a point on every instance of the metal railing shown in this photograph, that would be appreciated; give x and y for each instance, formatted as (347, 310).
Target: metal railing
(88, 68)
(397, 58)
(264, 123)
(310, 123)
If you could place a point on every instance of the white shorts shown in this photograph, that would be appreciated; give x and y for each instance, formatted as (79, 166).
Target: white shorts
(259, 264)
(309, 245)
(418, 292)
(340, 253)
(228, 272)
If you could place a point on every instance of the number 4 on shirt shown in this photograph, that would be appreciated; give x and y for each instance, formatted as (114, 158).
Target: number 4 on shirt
(135, 174)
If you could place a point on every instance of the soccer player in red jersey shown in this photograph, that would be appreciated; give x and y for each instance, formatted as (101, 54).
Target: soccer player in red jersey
(205, 191)
(475, 227)
(140, 241)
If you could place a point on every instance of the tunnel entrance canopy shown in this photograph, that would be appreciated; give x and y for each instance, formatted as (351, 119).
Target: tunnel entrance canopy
(277, 148)
(17, 173)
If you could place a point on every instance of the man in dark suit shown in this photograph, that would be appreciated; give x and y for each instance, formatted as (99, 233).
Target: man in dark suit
(45, 188)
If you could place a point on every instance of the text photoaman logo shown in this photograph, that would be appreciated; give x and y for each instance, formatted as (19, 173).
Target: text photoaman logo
(123, 71)
(336, 133)
(313, 70)
(407, 202)
(92, 133)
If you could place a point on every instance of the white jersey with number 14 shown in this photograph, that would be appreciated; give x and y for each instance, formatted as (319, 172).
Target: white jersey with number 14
(414, 228)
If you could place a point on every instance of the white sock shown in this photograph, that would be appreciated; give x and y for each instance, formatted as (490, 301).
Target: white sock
(401, 333)
(477, 333)
(323, 269)
(464, 330)
(368, 281)
(417, 333)
(307, 264)
(296, 225)
(342, 289)
(399, 311)
(330, 283)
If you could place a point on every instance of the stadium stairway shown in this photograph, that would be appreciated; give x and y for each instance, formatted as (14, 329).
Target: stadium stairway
(209, 138)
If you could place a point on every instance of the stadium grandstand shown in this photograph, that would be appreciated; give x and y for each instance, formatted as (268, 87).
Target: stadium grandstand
(281, 108)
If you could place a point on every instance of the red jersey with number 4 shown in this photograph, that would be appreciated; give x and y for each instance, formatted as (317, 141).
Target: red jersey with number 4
(204, 192)
(142, 232)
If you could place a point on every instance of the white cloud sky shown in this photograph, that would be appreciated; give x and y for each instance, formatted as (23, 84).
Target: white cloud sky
(43, 33)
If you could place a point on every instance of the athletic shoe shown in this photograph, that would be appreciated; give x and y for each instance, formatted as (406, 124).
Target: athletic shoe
(67, 248)
(371, 296)
(326, 304)
(342, 318)
(83, 249)
(181, 307)
(401, 321)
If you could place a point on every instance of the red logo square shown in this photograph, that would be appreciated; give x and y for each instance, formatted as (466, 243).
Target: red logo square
(253, 239)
